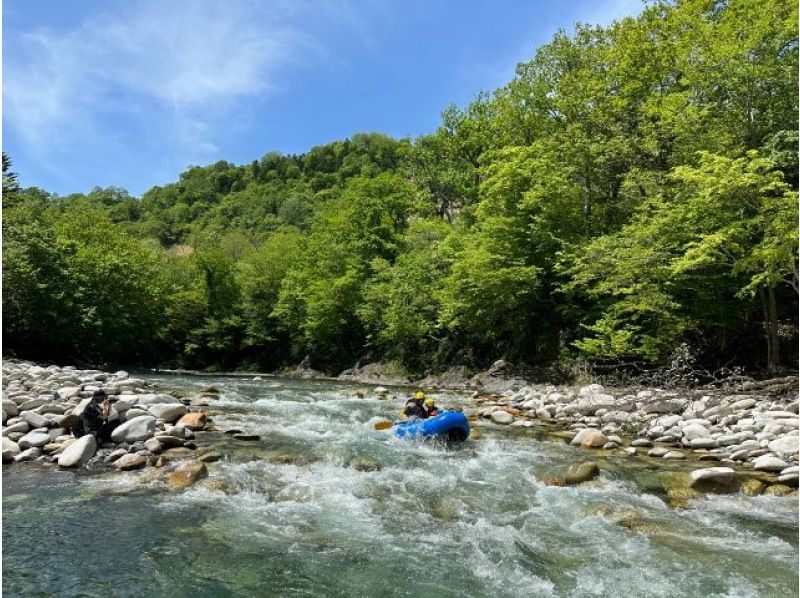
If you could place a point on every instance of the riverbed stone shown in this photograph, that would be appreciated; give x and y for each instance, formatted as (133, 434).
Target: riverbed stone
(595, 439)
(715, 479)
(194, 420)
(28, 455)
(778, 490)
(10, 407)
(133, 430)
(130, 461)
(169, 412)
(186, 474)
(658, 451)
(673, 455)
(37, 439)
(502, 417)
(752, 487)
(703, 443)
(168, 440)
(35, 420)
(154, 445)
(769, 463)
(694, 431)
(79, 452)
(789, 479)
(785, 445)
(582, 472)
(114, 455)
(10, 450)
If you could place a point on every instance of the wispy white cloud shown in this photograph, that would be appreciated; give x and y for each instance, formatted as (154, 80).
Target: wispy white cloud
(177, 67)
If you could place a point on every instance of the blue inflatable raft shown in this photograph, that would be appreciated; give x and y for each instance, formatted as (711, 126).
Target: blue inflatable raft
(450, 425)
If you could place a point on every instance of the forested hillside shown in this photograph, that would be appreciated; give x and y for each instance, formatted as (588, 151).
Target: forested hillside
(632, 191)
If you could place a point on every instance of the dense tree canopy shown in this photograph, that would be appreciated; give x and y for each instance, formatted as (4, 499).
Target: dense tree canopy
(633, 189)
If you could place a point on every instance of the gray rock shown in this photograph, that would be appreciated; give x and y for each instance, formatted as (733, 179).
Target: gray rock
(169, 412)
(21, 426)
(114, 455)
(674, 455)
(34, 419)
(28, 455)
(130, 461)
(785, 445)
(37, 439)
(692, 431)
(136, 429)
(10, 450)
(580, 435)
(32, 404)
(502, 417)
(135, 412)
(643, 442)
(10, 407)
(169, 440)
(154, 445)
(583, 472)
(769, 463)
(715, 479)
(697, 443)
(79, 452)
(742, 404)
(657, 452)
(157, 399)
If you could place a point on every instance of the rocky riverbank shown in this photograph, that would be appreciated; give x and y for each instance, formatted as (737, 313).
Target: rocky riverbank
(157, 429)
(750, 438)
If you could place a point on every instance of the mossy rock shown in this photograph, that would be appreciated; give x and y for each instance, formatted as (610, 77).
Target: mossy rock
(365, 464)
(582, 472)
(678, 498)
(752, 487)
(778, 490)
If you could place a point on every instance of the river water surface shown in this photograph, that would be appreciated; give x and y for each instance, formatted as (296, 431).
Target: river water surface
(296, 514)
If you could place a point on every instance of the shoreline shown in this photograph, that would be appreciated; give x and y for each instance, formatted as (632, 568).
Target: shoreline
(733, 438)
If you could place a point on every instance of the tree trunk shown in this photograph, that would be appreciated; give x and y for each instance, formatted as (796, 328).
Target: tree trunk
(771, 325)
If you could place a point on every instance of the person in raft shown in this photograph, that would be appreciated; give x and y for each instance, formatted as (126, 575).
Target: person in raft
(97, 418)
(431, 409)
(415, 407)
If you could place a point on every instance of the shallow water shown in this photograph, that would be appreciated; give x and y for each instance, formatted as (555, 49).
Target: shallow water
(290, 515)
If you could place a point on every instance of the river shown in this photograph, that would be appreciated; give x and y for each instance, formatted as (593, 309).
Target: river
(323, 505)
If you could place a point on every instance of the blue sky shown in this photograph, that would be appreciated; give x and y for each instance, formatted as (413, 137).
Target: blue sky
(129, 93)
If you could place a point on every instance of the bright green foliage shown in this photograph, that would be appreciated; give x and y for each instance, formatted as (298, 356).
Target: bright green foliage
(632, 189)
(401, 301)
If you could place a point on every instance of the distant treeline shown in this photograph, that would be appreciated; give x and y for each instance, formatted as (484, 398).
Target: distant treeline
(631, 191)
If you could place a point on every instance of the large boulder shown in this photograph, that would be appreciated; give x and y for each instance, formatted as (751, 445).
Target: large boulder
(10, 449)
(196, 420)
(187, 474)
(581, 473)
(715, 479)
(78, 452)
(595, 439)
(590, 404)
(169, 412)
(692, 431)
(133, 430)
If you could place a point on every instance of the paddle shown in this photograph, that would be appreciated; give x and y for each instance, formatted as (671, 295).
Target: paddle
(384, 425)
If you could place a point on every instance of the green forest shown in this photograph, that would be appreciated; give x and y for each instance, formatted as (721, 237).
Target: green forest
(631, 192)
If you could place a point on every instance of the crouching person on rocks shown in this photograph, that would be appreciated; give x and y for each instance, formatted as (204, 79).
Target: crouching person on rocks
(97, 418)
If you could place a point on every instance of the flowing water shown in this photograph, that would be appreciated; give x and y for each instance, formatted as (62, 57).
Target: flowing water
(323, 505)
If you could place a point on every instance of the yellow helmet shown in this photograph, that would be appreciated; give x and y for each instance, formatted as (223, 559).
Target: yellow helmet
(419, 395)
(429, 402)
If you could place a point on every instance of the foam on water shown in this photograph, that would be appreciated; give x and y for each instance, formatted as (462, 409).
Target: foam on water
(294, 515)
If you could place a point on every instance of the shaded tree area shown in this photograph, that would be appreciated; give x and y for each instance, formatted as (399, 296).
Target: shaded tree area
(632, 190)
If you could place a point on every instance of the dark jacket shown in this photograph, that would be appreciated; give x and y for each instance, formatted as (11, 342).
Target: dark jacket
(415, 408)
